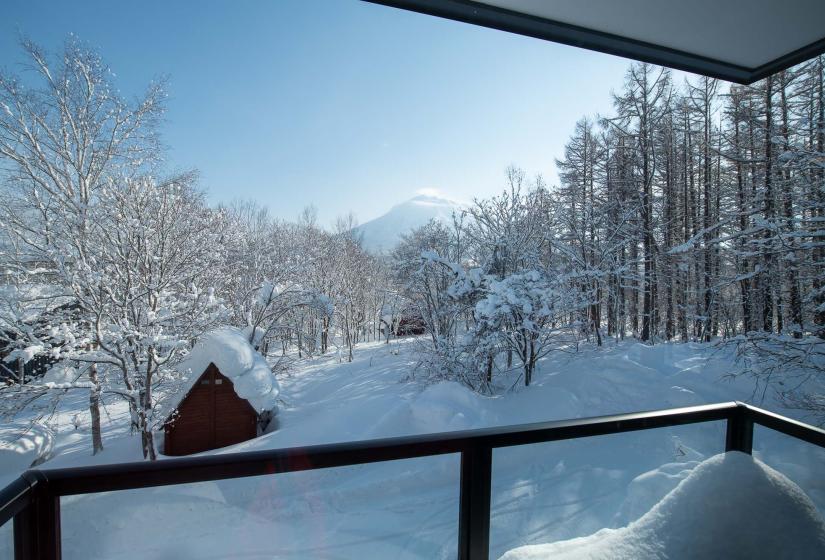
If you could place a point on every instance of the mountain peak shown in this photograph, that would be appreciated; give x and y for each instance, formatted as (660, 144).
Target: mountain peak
(431, 199)
(382, 234)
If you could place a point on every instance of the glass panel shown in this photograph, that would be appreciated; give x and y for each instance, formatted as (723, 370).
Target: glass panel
(7, 541)
(800, 461)
(399, 510)
(560, 490)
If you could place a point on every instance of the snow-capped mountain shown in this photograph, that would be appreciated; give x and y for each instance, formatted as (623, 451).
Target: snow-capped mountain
(383, 233)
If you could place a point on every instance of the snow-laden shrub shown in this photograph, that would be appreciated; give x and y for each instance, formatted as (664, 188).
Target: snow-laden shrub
(524, 313)
(521, 314)
(454, 359)
(793, 367)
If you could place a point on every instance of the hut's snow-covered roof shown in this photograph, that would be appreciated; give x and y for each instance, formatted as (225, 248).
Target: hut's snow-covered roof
(229, 349)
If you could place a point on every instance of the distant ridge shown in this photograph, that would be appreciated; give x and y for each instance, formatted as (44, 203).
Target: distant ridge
(382, 234)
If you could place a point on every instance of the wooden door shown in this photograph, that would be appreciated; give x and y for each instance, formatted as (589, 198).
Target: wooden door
(212, 415)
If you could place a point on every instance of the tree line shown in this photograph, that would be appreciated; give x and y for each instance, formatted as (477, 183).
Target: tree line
(701, 205)
(693, 212)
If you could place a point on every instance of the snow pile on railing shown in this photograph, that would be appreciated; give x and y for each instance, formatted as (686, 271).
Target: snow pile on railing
(730, 506)
(229, 349)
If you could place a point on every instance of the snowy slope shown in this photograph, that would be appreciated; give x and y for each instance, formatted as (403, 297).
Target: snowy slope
(383, 233)
(408, 509)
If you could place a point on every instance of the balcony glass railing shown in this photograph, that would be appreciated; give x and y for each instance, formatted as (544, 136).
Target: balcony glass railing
(43, 503)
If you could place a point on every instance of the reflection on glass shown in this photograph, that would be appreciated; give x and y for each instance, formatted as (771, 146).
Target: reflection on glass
(400, 510)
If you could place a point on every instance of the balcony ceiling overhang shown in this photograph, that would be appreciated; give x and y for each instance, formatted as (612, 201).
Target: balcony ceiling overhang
(736, 40)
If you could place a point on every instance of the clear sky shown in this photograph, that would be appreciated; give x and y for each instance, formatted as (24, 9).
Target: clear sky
(338, 103)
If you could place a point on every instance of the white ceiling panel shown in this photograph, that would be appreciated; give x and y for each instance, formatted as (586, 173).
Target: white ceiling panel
(738, 40)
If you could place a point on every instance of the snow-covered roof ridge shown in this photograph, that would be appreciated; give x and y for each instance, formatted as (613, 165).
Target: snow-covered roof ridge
(229, 349)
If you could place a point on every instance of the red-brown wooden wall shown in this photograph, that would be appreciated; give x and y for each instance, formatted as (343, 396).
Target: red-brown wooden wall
(212, 415)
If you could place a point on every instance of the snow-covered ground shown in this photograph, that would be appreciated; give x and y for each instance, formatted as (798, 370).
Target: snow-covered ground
(409, 509)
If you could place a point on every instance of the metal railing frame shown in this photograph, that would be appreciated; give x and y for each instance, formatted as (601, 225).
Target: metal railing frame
(33, 500)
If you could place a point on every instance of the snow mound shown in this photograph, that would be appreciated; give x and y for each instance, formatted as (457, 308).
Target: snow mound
(730, 506)
(444, 407)
(648, 489)
(60, 374)
(230, 351)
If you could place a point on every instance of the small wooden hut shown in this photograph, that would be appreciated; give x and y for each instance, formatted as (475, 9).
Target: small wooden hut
(229, 396)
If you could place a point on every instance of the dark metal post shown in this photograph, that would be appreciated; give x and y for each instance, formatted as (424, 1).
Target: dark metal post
(37, 527)
(25, 534)
(48, 521)
(739, 435)
(474, 506)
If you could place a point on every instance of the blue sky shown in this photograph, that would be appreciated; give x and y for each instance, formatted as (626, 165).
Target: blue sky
(338, 103)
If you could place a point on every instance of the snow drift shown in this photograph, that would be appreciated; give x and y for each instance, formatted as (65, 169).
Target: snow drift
(730, 506)
(23, 445)
(444, 407)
